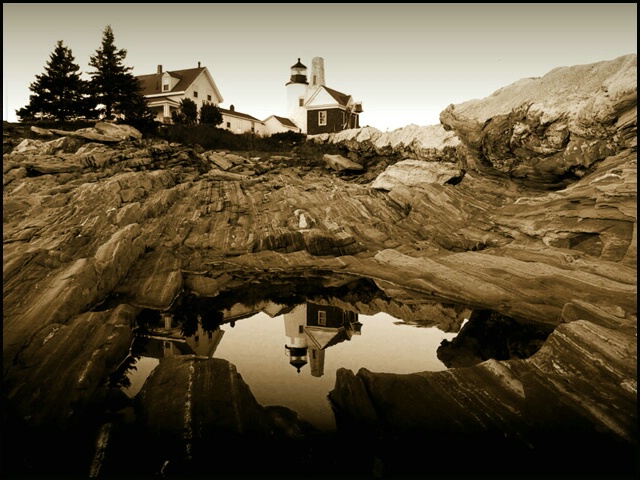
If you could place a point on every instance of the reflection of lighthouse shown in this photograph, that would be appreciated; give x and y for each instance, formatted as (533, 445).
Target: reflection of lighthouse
(296, 348)
(312, 328)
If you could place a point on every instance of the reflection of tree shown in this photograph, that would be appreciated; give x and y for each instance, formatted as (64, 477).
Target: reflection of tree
(119, 378)
(147, 318)
(191, 310)
(212, 321)
(489, 334)
(188, 325)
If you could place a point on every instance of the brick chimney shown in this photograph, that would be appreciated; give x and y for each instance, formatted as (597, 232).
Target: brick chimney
(198, 64)
(159, 69)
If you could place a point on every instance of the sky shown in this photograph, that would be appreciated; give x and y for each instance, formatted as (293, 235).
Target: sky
(406, 62)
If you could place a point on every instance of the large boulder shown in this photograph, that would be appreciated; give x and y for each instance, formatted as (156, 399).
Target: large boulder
(416, 172)
(548, 130)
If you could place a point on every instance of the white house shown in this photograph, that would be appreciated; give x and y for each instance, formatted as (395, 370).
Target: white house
(164, 90)
(237, 122)
(275, 124)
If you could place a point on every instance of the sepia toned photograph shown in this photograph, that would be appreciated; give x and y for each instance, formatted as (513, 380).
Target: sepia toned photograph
(319, 240)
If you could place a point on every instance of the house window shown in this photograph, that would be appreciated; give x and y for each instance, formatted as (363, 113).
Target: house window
(195, 94)
(322, 117)
(300, 328)
(228, 124)
(301, 102)
(208, 98)
(322, 318)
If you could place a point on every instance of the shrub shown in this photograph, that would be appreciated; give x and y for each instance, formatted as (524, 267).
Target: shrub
(210, 137)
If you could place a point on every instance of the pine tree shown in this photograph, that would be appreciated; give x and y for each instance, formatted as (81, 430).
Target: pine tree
(59, 93)
(113, 84)
(210, 114)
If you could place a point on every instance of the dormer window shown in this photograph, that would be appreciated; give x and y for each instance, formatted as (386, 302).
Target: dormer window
(166, 87)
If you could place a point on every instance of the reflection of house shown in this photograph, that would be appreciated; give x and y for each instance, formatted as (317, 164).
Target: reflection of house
(165, 90)
(166, 336)
(312, 328)
(240, 311)
(316, 108)
(201, 343)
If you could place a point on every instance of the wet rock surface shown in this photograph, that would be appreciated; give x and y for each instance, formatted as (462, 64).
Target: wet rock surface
(527, 209)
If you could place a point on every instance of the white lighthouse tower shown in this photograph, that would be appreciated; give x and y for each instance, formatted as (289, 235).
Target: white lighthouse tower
(297, 95)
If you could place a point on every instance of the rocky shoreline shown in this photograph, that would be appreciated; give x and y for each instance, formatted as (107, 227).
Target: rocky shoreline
(522, 204)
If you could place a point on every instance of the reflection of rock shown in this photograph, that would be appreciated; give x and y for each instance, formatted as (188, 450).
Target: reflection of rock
(190, 407)
(491, 335)
(527, 407)
(220, 401)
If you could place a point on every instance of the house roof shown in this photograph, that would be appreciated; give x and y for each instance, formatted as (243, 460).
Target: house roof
(152, 84)
(341, 98)
(285, 121)
(324, 338)
(234, 113)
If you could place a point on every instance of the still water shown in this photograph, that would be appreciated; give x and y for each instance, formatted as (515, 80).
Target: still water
(289, 355)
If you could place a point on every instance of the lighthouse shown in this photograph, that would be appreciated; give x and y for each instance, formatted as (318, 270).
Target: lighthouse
(297, 95)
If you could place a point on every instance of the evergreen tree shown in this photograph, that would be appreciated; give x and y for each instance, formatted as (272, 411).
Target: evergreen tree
(188, 113)
(59, 93)
(113, 84)
(135, 109)
(210, 114)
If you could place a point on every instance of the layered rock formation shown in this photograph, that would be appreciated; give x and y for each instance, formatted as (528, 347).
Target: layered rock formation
(522, 204)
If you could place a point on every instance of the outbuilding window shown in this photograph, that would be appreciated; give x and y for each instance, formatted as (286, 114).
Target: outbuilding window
(322, 117)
